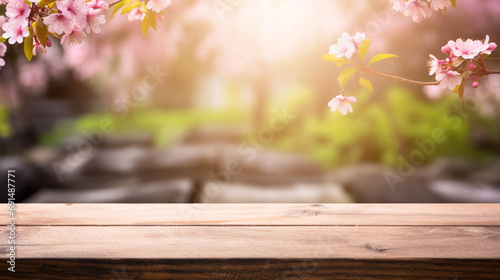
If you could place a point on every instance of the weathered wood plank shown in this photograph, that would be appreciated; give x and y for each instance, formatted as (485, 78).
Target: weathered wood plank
(258, 214)
(277, 242)
(255, 241)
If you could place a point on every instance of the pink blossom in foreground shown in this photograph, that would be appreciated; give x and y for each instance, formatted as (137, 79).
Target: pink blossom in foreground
(398, 5)
(75, 37)
(341, 103)
(158, 5)
(17, 10)
(469, 49)
(434, 65)
(73, 9)
(136, 14)
(94, 18)
(38, 48)
(15, 31)
(440, 4)
(344, 48)
(59, 23)
(98, 4)
(358, 39)
(449, 79)
(417, 9)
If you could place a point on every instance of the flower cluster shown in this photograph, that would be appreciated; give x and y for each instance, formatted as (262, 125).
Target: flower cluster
(341, 103)
(419, 9)
(347, 45)
(464, 61)
(69, 20)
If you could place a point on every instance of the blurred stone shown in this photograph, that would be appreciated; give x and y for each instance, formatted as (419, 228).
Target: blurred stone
(121, 141)
(466, 192)
(165, 191)
(489, 175)
(102, 140)
(115, 161)
(41, 156)
(449, 168)
(247, 163)
(294, 193)
(216, 135)
(24, 179)
(368, 183)
(194, 161)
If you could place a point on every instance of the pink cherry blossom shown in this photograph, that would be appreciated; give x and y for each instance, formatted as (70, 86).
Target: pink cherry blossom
(94, 18)
(73, 9)
(75, 37)
(449, 79)
(440, 4)
(468, 49)
(136, 14)
(358, 39)
(98, 4)
(417, 9)
(492, 46)
(487, 46)
(15, 31)
(447, 49)
(398, 5)
(434, 65)
(341, 103)
(38, 48)
(3, 50)
(17, 10)
(344, 47)
(59, 23)
(158, 5)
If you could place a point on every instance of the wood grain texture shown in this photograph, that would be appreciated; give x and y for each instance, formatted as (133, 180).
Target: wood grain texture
(255, 241)
(302, 242)
(258, 214)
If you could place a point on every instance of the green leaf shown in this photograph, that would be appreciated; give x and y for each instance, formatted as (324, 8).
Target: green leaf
(41, 31)
(28, 46)
(149, 20)
(364, 47)
(118, 6)
(338, 61)
(2, 40)
(130, 8)
(454, 3)
(346, 75)
(366, 83)
(42, 3)
(380, 57)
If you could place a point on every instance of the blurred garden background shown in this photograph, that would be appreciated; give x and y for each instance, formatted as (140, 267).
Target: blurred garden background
(227, 102)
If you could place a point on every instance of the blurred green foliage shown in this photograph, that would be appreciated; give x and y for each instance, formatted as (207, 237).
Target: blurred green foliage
(5, 128)
(383, 126)
(379, 130)
(165, 126)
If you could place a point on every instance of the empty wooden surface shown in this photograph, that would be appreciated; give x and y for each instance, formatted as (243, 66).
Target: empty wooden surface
(255, 241)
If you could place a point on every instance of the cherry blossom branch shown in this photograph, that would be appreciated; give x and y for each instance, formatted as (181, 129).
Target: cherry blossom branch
(398, 78)
(490, 72)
